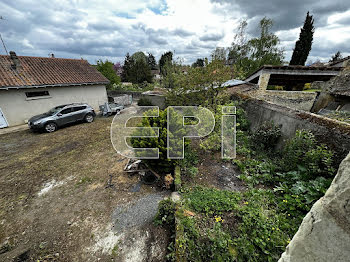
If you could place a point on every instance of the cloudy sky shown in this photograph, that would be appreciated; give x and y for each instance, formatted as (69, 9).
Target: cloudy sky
(108, 29)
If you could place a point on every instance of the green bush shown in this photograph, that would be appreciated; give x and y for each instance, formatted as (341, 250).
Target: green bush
(166, 213)
(143, 101)
(303, 150)
(163, 165)
(266, 136)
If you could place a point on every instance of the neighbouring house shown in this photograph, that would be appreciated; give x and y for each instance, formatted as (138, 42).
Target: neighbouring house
(341, 62)
(33, 85)
(156, 73)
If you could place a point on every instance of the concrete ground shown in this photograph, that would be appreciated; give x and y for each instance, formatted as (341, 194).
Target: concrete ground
(13, 129)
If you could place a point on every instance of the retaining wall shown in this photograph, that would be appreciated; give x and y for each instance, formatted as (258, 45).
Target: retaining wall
(331, 132)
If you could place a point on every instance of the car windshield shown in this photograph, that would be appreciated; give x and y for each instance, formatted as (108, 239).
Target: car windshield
(54, 110)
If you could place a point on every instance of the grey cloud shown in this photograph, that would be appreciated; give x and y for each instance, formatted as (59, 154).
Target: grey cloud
(212, 37)
(182, 32)
(287, 14)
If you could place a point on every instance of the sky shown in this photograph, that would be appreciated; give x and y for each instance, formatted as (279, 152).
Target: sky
(108, 29)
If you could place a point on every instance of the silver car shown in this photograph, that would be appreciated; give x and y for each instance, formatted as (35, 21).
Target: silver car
(62, 115)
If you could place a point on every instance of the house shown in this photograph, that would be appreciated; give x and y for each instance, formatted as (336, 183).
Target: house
(341, 63)
(156, 73)
(291, 76)
(33, 85)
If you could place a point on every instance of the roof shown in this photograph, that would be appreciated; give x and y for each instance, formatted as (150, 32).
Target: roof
(233, 82)
(27, 71)
(284, 75)
(340, 60)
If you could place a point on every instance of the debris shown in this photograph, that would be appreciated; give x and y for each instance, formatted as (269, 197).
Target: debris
(168, 181)
(137, 187)
(189, 213)
(134, 166)
(109, 182)
(175, 196)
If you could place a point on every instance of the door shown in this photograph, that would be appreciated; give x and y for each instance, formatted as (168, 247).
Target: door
(79, 113)
(3, 121)
(66, 116)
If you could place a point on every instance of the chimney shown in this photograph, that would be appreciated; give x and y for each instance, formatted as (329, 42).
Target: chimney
(52, 55)
(16, 63)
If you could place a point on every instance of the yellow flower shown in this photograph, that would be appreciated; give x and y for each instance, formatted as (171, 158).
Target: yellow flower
(218, 219)
(273, 228)
(268, 238)
(246, 203)
(289, 215)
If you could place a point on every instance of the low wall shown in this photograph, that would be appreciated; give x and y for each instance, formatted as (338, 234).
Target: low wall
(157, 100)
(123, 99)
(331, 132)
(135, 95)
(293, 99)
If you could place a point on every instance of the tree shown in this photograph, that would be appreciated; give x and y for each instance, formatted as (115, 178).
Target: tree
(199, 63)
(140, 72)
(219, 54)
(264, 50)
(165, 61)
(136, 69)
(118, 68)
(304, 44)
(128, 61)
(139, 56)
(151, 60)
(239, 48)
(249, 55)
(107, 69)
(337, 56)
(200, 86)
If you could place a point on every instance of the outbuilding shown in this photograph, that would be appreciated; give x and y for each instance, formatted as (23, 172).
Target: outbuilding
(33, 85)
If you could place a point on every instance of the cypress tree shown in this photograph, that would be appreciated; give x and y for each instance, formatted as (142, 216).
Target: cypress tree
(303, 45)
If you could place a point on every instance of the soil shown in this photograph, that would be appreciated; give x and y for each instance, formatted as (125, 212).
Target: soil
(214, 172)
(59, 194)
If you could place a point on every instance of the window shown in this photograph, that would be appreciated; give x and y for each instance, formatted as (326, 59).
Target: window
(37, 94)
(66, 111)
(78, 108)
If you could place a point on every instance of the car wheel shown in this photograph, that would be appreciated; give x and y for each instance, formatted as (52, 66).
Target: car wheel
(89, 118)
(50, 127)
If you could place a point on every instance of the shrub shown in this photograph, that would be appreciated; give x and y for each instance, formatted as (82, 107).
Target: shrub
(166, 213)
(143, 101)
(266, 136)
(303, 150)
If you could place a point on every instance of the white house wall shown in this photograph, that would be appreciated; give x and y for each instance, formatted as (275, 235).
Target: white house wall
(17, 108)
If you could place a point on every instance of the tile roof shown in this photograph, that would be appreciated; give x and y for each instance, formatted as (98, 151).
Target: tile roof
(43, 71)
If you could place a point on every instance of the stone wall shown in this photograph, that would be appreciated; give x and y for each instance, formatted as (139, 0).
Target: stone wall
(135, 95)
(157, 100)
(293, 99)
(123, 99)
(331, 132)
(324, 234)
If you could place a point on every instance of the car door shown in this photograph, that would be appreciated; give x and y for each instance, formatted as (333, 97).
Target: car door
(65, 116)
(79, 113)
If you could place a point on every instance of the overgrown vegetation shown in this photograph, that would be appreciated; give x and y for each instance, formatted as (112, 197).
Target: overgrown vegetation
(257, 224)
(143, 101)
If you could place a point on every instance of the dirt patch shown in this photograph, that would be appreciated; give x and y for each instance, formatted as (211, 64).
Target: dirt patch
(54, 195)
(212, 171)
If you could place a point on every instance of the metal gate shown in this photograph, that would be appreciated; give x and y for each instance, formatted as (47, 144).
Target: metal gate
(3, 121)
